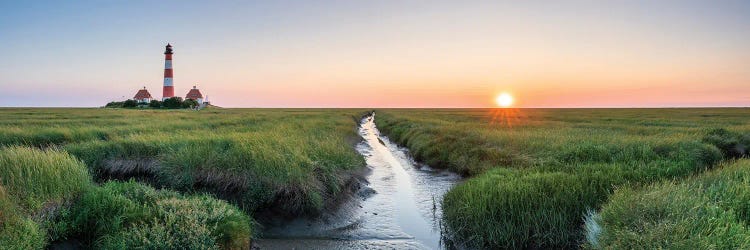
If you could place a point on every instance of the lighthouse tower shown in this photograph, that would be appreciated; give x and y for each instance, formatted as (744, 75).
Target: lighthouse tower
(168, 82)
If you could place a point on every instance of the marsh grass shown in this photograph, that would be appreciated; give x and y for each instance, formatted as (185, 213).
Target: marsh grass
(294, 161)
(710, 211)
(128, 215)
(48, 195)
(287, 162)
(536, 172)
(49, 176)
(18, 230)
(33, 184)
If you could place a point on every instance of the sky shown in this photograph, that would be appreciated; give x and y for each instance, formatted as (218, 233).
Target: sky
(379, 53)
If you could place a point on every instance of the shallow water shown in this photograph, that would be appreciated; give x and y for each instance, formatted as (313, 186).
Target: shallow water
(398, 209)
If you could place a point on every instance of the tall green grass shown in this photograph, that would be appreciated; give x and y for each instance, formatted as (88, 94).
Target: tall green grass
(48, 195)
(129, 215)
(40, 177)
(710, 211)
(35, 183)
(536, 172)
(291, 161)
(287, 161)
(16, 230)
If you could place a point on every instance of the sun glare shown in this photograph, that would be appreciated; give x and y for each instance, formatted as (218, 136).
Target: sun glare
(504, 100)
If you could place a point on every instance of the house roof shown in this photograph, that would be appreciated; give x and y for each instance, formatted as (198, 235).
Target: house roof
(142, 94)
(194, 94)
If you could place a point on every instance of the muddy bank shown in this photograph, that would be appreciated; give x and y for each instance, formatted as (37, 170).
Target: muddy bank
(122, 169)
(270, 214)
(398, 206)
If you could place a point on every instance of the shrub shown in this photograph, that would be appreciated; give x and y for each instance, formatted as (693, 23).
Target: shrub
(130, 103)
(173, 103)
(114, 105)
(189, 103)
(155, 104)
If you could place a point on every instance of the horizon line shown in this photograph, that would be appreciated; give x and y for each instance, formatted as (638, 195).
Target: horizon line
(489, 107)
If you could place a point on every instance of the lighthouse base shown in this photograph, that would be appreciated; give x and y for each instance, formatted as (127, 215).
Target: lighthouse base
(168, 92)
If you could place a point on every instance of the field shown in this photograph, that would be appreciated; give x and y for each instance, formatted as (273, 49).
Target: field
(535, 178)
(264, 162)
(535, 174)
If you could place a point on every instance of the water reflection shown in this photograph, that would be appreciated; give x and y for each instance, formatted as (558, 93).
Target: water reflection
(398, 209)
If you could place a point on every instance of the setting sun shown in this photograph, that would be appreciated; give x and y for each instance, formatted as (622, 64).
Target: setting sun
(504, 100)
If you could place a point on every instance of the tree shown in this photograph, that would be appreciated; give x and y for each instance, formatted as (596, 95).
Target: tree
(129, 103)
(155, 104)
(113, 105)
(189, 103)
(173, 103)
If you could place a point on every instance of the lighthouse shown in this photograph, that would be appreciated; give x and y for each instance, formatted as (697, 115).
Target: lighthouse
(168, 81)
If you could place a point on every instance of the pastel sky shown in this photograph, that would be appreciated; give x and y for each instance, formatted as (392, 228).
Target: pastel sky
(380, 53)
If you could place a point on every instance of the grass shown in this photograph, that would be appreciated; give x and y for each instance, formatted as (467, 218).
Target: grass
(295, 161)
(33, 183)
(18, 231)
(48, 196)
(536, 172)
(41, 177)
(710, 211)
(127, 215)
(266, 162)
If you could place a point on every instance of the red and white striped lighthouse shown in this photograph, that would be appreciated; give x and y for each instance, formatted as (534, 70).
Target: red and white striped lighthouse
(168, 82)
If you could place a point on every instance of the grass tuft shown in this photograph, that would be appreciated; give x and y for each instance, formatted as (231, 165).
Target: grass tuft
(709, 211)
(38, 177)
(132, 215)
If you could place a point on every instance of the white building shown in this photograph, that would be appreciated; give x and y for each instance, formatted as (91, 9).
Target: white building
(142, 96)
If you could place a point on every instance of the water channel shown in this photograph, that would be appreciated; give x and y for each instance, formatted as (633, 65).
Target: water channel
(399, 207)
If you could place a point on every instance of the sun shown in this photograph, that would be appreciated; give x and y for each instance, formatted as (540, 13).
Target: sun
(504, 100)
